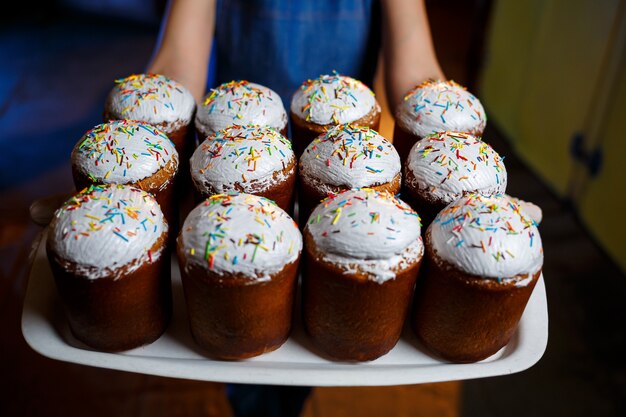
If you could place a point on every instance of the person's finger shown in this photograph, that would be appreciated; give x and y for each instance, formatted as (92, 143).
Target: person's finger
(533, 210)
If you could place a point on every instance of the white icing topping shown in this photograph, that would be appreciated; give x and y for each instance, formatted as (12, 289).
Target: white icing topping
(240, 103)
(332, 99)
(350, 156)
(240, 234)
(367, 229)
(104, 228)
(252, 157)
(151, 98)
(491, 237)
(123, 152)
(437, 106)
(451, 163)
(379, 270)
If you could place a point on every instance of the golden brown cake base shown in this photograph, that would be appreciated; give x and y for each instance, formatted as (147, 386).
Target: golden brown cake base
(349, 317)
(422, 201)
(232, 317)
(465, 318)
(303, 132)
(110, 314)
(403, 142)
(309, 196)
(185, 143)
(183, 140)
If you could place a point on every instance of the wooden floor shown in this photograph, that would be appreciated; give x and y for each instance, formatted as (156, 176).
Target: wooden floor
(582, 373)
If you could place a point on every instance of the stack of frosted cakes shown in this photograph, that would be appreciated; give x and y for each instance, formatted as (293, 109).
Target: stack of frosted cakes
(250, 159)
(345, 157)
(444, 166)
(327, 101)
(435, 107)
(366, 267)
(128, 152)
(157, 100)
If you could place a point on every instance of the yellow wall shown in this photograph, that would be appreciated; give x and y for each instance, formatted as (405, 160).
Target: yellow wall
(512, 34)
(543, 82)
(603, 203)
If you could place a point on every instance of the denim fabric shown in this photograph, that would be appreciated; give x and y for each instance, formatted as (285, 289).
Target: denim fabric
(281, 43)
(267, 400)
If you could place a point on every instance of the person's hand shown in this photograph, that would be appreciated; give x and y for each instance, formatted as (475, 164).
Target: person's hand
(533, 210)
(184, 44)
(408, 50)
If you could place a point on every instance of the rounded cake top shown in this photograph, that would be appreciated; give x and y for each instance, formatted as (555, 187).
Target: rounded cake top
(369, 229)
(332, 99)
(487, 236)
(123, 151)
(107, 227)
(437, 106)
(240, 234)
(151, 98)
(253, 157)
(450, 163)
(350, 156)
(240, 103)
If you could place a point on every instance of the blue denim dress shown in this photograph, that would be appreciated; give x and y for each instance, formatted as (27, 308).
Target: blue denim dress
(281, 43)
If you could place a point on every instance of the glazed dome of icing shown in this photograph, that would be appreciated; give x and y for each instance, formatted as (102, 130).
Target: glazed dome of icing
(104, 228)
(249, 156)
(333, 99)
(450, 163)
(123, 151)
(240, 234)
(350, 156)
(437, 106)
(240, 103)
(150, 98)
(370, 229)
(487, 236)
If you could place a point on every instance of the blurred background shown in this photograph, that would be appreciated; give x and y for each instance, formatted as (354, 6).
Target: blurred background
(552, 77)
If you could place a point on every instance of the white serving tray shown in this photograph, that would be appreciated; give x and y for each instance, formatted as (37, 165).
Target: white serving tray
(295, 363)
